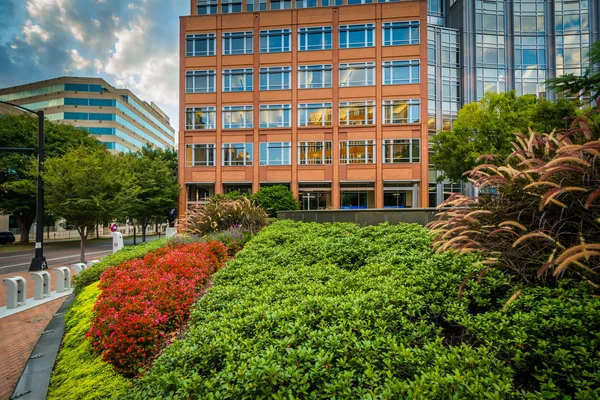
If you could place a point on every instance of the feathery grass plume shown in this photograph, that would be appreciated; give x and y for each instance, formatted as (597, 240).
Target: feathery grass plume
(538, 215)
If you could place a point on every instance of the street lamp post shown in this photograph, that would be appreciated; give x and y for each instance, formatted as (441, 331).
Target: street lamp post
(39, 261)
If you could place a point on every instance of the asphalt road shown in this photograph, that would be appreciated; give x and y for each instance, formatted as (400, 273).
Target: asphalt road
(61, 253)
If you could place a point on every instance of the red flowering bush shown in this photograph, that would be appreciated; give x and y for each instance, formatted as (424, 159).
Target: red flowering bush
(143, 300)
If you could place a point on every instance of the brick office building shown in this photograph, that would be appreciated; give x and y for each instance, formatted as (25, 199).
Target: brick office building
(330, 101)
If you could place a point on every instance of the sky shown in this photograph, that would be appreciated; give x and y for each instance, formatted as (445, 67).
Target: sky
(132, 44)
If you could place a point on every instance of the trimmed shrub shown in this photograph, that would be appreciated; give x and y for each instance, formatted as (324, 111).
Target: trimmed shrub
(299, 315)
(539, 213)
(92, 275)
(144, 300)
(221, 214)
(275, 198)
(78, 373)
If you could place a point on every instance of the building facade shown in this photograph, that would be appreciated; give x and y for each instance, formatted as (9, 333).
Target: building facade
(116, 117)
(337, 99)
(328, 101)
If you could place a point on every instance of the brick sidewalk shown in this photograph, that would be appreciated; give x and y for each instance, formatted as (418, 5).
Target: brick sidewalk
(18, 335)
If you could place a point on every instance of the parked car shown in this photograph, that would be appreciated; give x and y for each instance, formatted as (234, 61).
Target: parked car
(6, 237)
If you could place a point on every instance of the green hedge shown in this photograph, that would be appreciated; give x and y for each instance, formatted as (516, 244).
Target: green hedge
(92, 275)
(339, 311)
(78, 374)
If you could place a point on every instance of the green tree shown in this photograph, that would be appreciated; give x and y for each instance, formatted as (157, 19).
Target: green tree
(490, 126)
(587, 84)
(275, 198)
(86, 187)
(18, 172)
(154, 176)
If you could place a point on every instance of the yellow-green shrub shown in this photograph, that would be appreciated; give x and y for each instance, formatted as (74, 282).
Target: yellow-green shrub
(78, 373)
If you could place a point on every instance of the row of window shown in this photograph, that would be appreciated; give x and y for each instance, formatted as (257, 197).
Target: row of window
(309, 114)
(309, 77)
(311, 38)
(309, 153)
(207, 7)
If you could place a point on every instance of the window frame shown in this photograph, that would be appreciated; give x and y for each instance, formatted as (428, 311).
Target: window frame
(210, 5)
(347, 69)
(286, 77)
(228, 161)
(324, 31)
(269, 34)
(267, 109)
(326, 145)
(246, 109)
(345, 154)
(409, 64)
(388, 113)
(248, 37)
(265, 147)
(345, 31)
(211, 75)
(304, 111)
(388, 152)
(388, 33)
(205, 110)
(207, 147)
(227, 78)
(192, 38)
(326, 71)
(365, 104)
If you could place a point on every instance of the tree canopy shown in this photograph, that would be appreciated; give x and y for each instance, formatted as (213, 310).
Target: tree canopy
(275, 198)
(18, 172)
(490, 126)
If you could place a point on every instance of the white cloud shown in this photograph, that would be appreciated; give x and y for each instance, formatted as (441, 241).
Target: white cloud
(32, 31)
(96, 23)
(78, 61)
(98, 65)
(39, 8)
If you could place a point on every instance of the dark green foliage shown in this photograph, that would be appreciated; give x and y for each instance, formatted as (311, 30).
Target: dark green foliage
(18, 172)
(297, 314)
(275, 198)
(92, 275)
(490, 126)
(587, 84)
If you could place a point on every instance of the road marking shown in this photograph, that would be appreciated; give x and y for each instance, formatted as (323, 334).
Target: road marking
(57, 258)
(18, 255)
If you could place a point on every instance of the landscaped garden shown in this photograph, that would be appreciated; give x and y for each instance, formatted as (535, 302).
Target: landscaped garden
(497, 299)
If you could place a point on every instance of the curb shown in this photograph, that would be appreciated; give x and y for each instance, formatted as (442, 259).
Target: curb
(35, 379)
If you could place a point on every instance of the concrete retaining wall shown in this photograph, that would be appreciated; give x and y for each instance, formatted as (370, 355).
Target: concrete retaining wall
(364, 217)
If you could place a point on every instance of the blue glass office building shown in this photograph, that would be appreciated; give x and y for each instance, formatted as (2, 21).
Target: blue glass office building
(117, 117)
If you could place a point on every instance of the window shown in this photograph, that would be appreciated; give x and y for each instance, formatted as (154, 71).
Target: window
(200, 45)
(357, 151)
(237, 154)
(401, 111)
(316, 38)
(237, 43)
(200, 81)
(357, 74)
(314, 114)
(256, 5)
(314, 76)
(204, 7)
(400, 33)
(327, 3)
(360, 2)
(237, 117)
(401, 151)
(275, 115)
(353, 36)
(281, 4)
(357, 113)
(200, 118)
(237, 80)
(275, 153)
(231, 6)
(400, 72)
(312, 153)
(200, 155)
(275, 41)
(275, 78)
(306, 3)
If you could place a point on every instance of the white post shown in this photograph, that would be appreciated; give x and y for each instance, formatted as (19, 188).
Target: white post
(16, 291)
(117, 241)
(41, 288)
(170, 232)
(63, 279)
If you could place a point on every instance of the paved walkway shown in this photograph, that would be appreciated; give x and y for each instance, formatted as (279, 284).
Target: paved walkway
(18, 335)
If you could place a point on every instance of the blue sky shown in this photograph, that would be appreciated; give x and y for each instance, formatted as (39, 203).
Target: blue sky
(130, 43)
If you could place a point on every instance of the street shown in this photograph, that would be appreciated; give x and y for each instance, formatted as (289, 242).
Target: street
(61, 253)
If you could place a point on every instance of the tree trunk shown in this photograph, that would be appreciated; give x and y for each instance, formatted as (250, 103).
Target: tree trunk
(24, 222)
(144, 226)
(83, 235)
